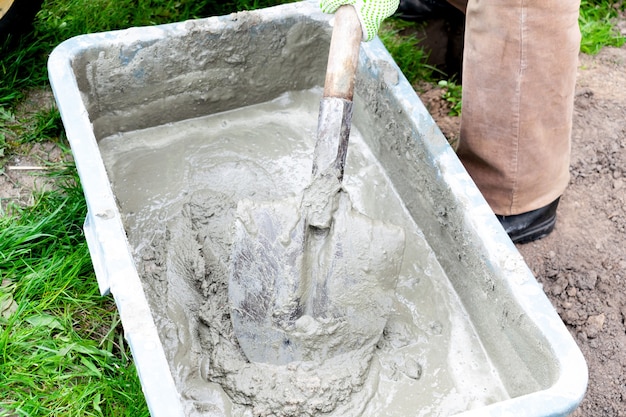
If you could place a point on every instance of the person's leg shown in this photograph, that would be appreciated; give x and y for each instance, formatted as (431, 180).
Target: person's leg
(519, 75)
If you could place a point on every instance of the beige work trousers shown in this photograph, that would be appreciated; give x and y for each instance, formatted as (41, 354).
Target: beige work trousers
(519, 74)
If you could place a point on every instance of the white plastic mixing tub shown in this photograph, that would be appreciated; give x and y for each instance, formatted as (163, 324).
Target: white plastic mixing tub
(102, 82)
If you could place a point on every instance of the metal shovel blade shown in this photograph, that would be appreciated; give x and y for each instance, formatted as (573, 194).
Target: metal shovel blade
(308, 295)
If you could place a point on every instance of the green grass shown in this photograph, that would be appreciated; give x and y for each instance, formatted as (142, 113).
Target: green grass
(6, 117)
(45, 124)
(42, 125)
(406, 50)
(452, 94)
(62, 352)
(596, 21)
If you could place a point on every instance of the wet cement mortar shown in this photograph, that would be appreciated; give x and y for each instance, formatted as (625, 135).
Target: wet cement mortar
(427, 358)
(302, 388)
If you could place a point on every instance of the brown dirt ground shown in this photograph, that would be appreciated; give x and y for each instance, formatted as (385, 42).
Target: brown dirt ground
(23, 166)
(582, 264)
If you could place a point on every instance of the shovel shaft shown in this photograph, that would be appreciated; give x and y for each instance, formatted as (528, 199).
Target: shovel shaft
(335, 115)
(343, 57)
(333, 132)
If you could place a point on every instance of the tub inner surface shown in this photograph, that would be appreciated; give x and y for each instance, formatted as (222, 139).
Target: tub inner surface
(178, 186)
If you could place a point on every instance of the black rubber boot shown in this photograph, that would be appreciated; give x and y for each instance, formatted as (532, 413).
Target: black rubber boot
(532, 225)
(420, 10)
(18, 17)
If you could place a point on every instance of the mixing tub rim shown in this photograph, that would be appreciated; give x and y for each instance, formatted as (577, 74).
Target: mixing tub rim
(116, 270)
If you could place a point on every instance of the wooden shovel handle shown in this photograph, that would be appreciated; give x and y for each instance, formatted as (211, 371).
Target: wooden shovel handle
(343, 57)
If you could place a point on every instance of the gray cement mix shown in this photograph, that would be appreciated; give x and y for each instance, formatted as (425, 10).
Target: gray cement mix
(178, 186)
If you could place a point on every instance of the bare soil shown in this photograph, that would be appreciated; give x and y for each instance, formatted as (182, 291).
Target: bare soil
(23, 165)
(582, 264)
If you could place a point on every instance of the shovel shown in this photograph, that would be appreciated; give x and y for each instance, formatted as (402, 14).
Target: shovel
(310, 277)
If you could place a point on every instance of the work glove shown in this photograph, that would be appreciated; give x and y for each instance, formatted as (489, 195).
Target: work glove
(371, 12)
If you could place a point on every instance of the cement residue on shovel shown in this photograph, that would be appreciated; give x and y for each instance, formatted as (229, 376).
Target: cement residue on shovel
(358, 259)
(311, 277)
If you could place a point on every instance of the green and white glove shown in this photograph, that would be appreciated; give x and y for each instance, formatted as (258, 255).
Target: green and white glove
(371, 12)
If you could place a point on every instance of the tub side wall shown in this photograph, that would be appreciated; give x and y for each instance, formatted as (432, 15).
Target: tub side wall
(402, 142)
(210, 66)
(107, 242)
